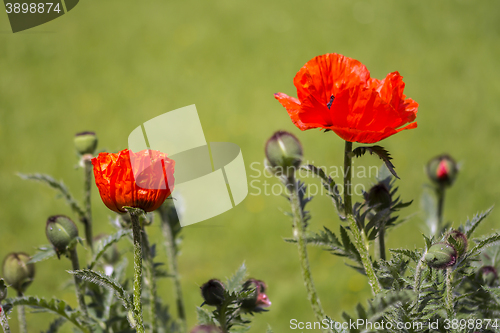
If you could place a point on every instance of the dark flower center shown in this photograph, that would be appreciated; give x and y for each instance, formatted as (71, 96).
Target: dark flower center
(329, 105)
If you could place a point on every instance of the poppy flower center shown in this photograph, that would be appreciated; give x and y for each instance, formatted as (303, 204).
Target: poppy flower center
(329, 104)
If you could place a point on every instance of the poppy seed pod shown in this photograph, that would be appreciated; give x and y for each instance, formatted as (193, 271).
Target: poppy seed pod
(60, 231)
(283, 153)
(85, 143)
(213, 292)
(258, 298)
(379, 197)
(206, 329)
(460, 240)
(442, 170)
(17, 272)
(488, 274)
(441, 255)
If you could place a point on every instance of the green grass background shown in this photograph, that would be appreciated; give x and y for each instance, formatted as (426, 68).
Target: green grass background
(109, 66)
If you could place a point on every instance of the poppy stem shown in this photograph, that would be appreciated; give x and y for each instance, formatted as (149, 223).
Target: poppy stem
(299, 233)
(449, 294)
(136, 230)
(150, 281)
(418, 279)
(169, 220)
(440, 191)
(353, 226)
(21, 316)
(88, 208)
(4, 321)
(80, 294)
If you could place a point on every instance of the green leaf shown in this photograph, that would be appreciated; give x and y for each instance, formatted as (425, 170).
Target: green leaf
(234, 282)
(383, 302)
(410, 254)
(58, 186)
(269, 329)
(56, 306)
(55, 325)
(106, 243)
(485, 242)
(107, 282)
(205, 317)
(381, 152)
(470, 226)
(44, 252)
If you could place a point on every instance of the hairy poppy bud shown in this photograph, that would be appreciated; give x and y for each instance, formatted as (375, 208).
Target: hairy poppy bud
(258, 298)
(441, 255)
(60, 231)
(283, 153)
(460, 240)
(379, 197)
(442, 170)
(213, 292)
(206, 329)
(17, 272)
(488, 274)
(85, 143)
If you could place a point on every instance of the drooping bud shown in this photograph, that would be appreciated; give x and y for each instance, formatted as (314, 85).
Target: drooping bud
(17, 272)
(85, 143)
(206, 329)
(60, 231)
(213, 292)
(460, 241)
(441, 255)
(258, 298)
(488, 274)
(442, 170)
(283, 153)
(379, 197)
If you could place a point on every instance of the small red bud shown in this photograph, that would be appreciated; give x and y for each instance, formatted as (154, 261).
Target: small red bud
(442, 170)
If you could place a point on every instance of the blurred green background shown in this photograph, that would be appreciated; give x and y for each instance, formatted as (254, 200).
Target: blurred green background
(109, 66)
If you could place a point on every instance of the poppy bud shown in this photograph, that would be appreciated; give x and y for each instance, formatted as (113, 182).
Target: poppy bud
(17, 272)
(441, 255)
(379, 197)
(488, 274)
(460, 240)
(258, 299)
(213, 292)
(60, 231)
(206, 329)
(85, 143)
(283, 153)
(442, 170)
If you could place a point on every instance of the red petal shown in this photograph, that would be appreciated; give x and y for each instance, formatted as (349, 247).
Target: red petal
(292, 106)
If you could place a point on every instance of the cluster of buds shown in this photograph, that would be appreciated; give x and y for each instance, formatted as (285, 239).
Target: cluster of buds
(283, 154)
(17, 272)
(61, 232)
(445, 254)
(442, 170)
(213, 293)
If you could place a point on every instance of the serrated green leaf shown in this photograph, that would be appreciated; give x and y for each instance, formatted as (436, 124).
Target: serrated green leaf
(44, 253)
(106, 243)
(234, 282)
(470, 226)
(381, 152)
(58, 186)
(55, 325)
(410, 254)
(205, 317)
(483, 243)
(107, 282)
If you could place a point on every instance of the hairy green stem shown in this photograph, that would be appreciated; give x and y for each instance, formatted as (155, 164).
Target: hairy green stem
(418, 279)
(88, 208)
(168, 236)
(353, 226)
(4, 321)
(150, 281)
(449, 294)
(79, 287)
(299, 233)
(440, 191)
(380, 243)
(136, 230)
(21, 316)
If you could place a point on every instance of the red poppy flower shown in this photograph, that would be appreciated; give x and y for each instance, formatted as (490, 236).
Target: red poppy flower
(152, 184)
(336, 93)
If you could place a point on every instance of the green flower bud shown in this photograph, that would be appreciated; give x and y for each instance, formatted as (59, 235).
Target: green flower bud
(206, 329)
(283, 153)
(3, 290)
(488, 274)
(460, 240)
(441, 255)
(85, 143)
(257, 299)
(213, 292)
(442, 170)
(379, 197)
(17, 272)
(60, 231)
